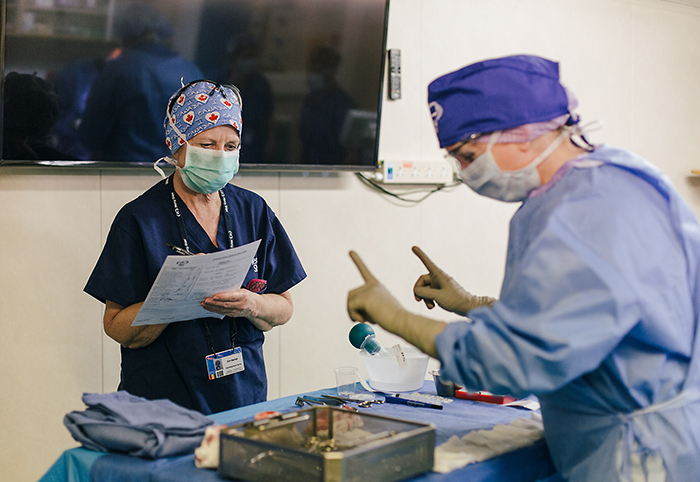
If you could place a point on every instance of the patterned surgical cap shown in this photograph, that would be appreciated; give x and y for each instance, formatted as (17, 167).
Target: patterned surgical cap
(199, 106)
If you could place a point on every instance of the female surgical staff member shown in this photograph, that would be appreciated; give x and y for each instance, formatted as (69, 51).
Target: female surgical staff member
(197, 210)
(598, 312)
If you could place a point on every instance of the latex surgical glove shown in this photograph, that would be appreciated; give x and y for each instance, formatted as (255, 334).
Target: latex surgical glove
(439, 287)
(372, 302)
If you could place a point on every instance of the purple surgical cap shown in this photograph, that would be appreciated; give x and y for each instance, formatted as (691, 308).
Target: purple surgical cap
(496, 95)
(199, 106)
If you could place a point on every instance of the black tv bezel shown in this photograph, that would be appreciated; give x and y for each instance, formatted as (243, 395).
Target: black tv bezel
(137, 165)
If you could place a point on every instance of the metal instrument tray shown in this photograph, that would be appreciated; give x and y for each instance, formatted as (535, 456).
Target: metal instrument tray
(327, 444)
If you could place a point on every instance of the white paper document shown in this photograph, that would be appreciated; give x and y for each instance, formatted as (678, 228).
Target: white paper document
(184, 281)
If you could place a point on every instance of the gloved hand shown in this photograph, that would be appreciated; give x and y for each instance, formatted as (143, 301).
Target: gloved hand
(372, 302)
(439, 287)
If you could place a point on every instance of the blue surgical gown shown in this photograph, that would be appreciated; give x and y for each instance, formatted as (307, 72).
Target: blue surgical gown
(598, 316)
(173, 366)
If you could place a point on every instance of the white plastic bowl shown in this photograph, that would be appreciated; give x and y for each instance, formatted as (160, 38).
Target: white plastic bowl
(387, 375)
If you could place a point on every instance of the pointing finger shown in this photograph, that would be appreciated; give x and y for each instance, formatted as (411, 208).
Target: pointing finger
(364, 271)
(432, 267)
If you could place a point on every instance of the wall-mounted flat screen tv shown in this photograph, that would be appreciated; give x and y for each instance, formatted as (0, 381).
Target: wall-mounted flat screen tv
(86, 82)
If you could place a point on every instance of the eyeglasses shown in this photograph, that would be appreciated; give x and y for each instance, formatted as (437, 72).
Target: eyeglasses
(457, 154)
(216, 86)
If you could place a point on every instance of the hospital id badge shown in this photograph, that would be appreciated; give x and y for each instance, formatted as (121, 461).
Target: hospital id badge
(224, 363)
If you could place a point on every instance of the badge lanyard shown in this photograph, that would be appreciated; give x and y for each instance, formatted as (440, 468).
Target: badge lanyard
(183, 235)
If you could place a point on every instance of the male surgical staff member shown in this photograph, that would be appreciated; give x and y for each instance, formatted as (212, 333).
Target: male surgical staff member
(197, 210)
(598, 312)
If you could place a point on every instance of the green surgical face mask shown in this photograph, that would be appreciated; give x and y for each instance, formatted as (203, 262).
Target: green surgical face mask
(208, 170)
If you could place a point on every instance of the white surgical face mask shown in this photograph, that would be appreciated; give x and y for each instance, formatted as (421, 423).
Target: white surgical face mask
(485, 177)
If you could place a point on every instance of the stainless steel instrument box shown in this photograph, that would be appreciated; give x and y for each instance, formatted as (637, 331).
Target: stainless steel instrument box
(327, 444)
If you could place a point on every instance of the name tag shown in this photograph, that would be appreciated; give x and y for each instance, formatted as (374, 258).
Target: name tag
(224, 363)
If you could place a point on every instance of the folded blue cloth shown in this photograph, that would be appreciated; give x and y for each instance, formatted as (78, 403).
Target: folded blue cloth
(121, 422)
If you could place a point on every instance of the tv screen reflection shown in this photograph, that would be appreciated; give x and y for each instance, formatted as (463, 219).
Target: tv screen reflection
(89, 80)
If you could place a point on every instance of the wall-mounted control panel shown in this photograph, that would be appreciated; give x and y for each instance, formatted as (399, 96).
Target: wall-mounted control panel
(415, 172)
(394, 74)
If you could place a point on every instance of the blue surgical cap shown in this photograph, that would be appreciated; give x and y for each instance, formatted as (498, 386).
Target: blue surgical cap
(495, 94)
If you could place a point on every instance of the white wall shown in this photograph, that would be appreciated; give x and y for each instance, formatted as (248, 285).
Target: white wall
(635, 65)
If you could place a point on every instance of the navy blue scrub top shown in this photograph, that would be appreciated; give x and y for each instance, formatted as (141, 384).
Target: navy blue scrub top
(173, 366)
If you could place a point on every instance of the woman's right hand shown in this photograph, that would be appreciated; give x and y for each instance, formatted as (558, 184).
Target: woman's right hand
(438, 287)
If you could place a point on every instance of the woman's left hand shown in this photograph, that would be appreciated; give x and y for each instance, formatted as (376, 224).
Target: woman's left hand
(233, 303)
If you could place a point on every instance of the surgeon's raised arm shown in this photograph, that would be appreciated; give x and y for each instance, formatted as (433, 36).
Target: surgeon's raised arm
(117, 325)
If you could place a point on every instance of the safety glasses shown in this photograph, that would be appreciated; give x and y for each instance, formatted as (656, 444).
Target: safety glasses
(457, 154)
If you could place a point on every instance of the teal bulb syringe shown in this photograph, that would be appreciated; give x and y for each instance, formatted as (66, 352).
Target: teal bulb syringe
(362, 336)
